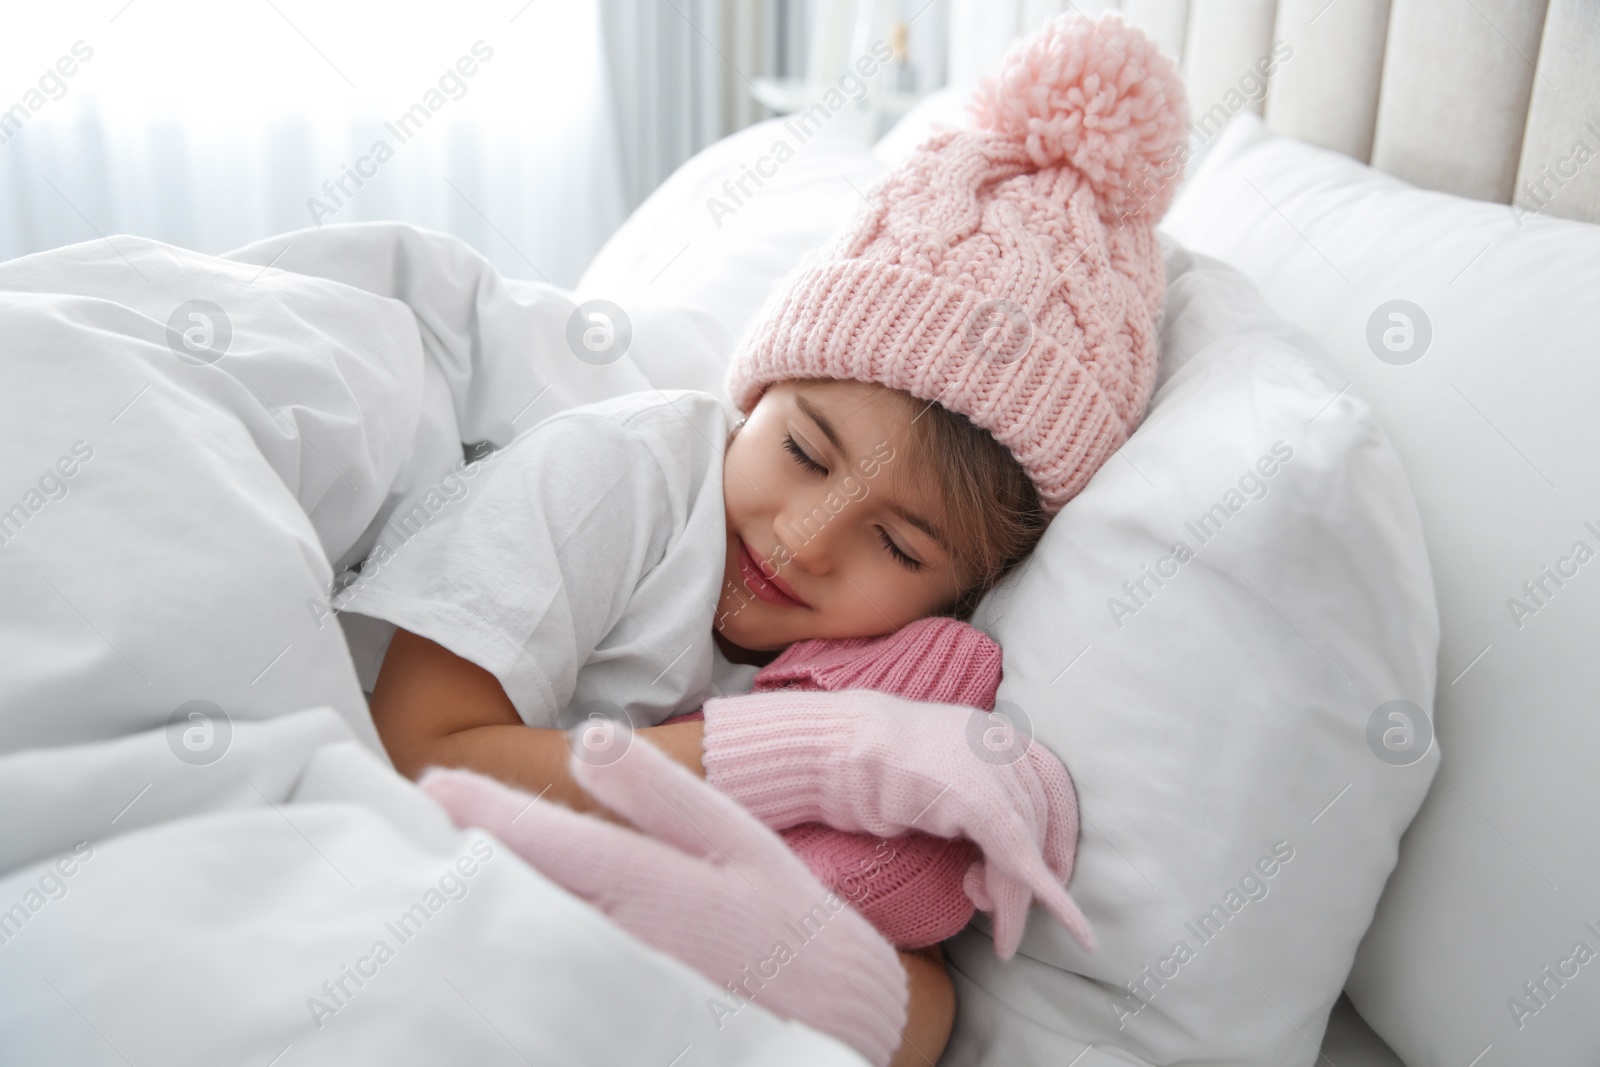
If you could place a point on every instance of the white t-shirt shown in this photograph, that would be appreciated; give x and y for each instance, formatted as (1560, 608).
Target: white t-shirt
(580, 563)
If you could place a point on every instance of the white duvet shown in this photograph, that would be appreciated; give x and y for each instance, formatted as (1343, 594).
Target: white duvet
(204, 856)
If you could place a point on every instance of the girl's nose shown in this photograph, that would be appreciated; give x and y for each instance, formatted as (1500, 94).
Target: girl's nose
(811, 533)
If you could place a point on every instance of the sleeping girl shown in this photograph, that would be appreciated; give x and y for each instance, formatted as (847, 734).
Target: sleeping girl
(917, 403)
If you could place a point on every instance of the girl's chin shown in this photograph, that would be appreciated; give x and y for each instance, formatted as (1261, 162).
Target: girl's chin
(746, 638)
(736, 651)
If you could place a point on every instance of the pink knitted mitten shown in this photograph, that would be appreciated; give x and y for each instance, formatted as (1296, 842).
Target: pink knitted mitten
(877, 762)
(710, 885)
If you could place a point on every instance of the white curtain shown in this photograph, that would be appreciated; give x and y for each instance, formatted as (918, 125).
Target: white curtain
(681, 74)
(682, 71)
(213, 124)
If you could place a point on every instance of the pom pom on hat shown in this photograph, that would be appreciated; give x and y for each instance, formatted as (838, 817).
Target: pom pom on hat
(1099, 97)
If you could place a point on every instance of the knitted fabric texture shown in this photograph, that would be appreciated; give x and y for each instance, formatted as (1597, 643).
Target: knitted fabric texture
(909, 886)
(1010, 271)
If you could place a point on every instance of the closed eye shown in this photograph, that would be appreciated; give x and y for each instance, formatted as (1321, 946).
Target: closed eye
(800, 456)
(894, 550)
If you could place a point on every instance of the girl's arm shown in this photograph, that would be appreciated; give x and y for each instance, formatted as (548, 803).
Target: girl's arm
(930, 1008)
(433, 708)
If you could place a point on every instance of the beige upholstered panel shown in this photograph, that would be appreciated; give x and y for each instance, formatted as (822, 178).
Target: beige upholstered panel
(1226, 41)
(1456, 80)
(1326, 91)
(1442, 93)
(1560, 169)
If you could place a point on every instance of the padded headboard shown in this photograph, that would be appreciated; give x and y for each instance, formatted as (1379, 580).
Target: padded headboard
(1496, 100)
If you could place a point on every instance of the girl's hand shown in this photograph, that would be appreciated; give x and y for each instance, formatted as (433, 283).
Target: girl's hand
(711, 886)
(868, 761)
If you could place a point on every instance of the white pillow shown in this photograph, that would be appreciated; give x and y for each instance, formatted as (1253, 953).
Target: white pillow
(698, 241)
(1494, 420)
(940, 109)
(1216, 723)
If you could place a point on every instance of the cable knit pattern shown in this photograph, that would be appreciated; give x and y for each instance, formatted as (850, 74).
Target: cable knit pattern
(1009, 272)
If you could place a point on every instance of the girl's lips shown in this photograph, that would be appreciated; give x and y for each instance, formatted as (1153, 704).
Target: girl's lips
(772, 590)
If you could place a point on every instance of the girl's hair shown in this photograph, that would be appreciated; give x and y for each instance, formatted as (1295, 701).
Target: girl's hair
(993, 517)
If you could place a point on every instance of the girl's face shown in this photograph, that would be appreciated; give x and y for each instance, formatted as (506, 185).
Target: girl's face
(827, 534)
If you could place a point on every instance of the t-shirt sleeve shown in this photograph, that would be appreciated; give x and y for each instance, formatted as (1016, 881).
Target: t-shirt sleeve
(525, 564)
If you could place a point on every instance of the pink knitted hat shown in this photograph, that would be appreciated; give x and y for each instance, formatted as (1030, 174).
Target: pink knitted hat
(1010, 271)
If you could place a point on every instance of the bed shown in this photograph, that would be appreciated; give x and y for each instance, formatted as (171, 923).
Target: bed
(203, 846)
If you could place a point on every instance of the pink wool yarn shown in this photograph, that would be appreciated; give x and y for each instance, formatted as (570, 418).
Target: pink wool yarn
(1010, 271)
(908, 886)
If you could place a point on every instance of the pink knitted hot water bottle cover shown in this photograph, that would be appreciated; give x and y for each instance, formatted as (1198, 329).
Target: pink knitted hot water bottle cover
(908, 887)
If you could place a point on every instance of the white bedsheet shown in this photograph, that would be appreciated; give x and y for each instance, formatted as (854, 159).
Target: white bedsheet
(162, 903)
